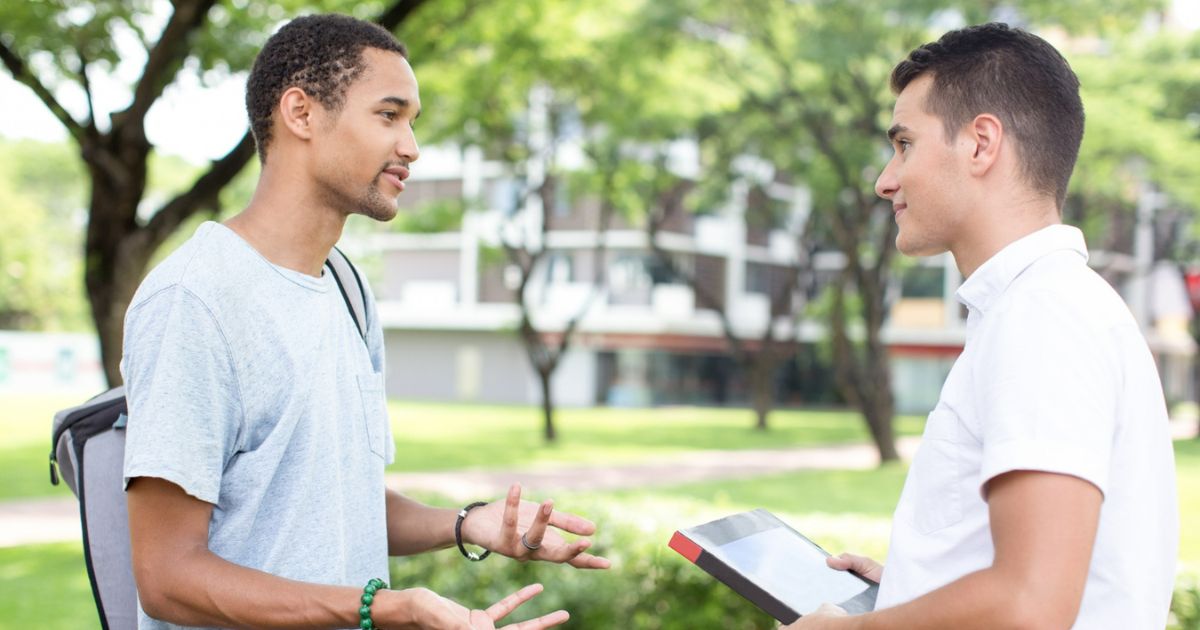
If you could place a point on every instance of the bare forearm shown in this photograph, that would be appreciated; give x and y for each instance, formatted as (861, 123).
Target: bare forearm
(986, 599)
(202, 589)
(415, 527)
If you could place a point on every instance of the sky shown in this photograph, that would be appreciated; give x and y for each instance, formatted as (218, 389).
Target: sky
(196, 122)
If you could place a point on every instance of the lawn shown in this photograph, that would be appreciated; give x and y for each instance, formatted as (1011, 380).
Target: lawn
(841, 510)
(454, 436)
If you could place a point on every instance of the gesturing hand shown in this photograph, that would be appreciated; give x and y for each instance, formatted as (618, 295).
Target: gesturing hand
(424, 609)
(521, 530)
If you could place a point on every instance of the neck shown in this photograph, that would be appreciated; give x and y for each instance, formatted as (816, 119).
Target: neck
(1000, 225)
(287, 223)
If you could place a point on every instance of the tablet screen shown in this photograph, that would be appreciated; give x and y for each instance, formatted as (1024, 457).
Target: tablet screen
(790, 568)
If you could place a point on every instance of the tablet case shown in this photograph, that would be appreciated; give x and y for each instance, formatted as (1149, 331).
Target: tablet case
(696, 544)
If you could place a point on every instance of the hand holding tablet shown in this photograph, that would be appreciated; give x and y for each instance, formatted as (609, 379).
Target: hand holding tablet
(773, 565)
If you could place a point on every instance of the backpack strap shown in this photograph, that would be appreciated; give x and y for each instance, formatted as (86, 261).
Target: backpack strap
(350, 284)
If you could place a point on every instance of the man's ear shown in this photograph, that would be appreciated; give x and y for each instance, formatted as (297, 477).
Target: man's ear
(986, 137)
(296, 112)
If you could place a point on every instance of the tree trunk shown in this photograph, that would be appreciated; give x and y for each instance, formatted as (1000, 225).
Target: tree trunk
(547, 406)
(114, 261)
(762, 387)
(879, 406)
(863, 375)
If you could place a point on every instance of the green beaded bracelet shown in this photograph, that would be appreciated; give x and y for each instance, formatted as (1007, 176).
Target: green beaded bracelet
(368, 597)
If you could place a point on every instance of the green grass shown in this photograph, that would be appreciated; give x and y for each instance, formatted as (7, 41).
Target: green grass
(841, 510)
(45, 586)
(432, 436)
(453, 436)
(25, 445)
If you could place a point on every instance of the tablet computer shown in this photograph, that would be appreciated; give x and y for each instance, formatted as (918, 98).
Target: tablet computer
(772, 565)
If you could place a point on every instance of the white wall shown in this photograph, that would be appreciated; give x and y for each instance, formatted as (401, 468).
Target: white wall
(50, 363)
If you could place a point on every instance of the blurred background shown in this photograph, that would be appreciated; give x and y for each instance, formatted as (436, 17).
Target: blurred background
(639, 265)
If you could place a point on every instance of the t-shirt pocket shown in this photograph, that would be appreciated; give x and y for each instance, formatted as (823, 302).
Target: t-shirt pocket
(370, 388)
(937, 473)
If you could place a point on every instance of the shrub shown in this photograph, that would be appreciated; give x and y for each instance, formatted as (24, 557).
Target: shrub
(650, 586)
(1185, 604)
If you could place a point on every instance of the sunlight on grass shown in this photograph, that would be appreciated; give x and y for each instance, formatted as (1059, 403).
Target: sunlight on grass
(45, 587)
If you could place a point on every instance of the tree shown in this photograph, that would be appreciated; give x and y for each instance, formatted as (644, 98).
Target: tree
(521, 80)
(39, 287)
(50, 44)
(813, 101)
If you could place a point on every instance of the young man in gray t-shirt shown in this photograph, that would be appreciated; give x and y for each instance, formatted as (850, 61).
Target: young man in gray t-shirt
(258, 430)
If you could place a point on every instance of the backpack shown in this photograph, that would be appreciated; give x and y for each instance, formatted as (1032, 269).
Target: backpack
(94, 433)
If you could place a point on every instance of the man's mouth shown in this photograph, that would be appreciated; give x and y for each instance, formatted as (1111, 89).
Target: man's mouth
(898, 209)
(395, 175)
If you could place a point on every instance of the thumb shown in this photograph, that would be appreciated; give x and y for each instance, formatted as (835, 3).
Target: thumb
(861, 565)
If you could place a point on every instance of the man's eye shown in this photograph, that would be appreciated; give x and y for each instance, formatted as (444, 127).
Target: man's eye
(388, 114)
(902, 145)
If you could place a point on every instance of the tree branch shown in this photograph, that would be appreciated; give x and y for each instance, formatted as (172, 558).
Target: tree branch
(20, 72)
(170, 50)
(202, 193)
(90, 129)
(395, 15)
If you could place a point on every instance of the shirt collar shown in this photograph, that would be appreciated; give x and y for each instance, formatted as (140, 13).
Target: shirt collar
(990, 280)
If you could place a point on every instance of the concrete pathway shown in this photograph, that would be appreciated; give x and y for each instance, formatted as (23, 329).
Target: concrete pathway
(54, 520)
(665, 471)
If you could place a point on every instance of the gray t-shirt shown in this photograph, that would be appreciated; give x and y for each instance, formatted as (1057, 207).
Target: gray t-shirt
(250, 388)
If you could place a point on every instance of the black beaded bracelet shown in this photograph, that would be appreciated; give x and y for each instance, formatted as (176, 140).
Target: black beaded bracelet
(368, 597)
(462, 515)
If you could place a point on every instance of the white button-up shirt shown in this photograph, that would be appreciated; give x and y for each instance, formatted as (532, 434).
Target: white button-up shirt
(1055, 376)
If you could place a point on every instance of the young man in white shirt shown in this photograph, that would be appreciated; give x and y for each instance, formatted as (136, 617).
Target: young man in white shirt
(1043, 493)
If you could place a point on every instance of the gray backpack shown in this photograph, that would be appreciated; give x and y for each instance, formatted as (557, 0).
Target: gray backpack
(88, 453)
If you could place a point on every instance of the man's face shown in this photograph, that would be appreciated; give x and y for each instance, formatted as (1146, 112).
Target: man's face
(363, 152)
(925, 178)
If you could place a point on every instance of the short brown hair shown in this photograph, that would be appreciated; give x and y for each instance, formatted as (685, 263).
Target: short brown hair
(1018, 77)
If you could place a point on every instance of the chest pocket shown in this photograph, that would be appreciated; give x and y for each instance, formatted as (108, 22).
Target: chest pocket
(938, 470)
(370, 389)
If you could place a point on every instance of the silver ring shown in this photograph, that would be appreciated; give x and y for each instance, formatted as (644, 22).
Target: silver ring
(529, 546)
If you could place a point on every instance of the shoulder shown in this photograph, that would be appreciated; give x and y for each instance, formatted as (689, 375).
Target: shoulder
(1061, 291)
(207, 267)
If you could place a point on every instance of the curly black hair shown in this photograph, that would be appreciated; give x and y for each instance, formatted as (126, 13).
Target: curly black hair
(320, 54)
(1015, 75)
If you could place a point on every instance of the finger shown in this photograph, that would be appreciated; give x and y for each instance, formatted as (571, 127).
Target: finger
(545, 621)
(573, 554)
(537, 531)
(572, 523)
(861, 565)
(512, 511)
(502, 608)
(588, 561)
(840, 563)
(830, 610)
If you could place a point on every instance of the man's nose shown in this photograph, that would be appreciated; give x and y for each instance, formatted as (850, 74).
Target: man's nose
(886, 186)
(406, 147)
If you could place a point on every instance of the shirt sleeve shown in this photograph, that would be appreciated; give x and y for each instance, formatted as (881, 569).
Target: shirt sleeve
(1047, 386)
(185, 411)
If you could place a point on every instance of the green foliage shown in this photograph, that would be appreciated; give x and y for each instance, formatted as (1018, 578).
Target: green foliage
(1185, 604)
(1142, 123)
(649, 587)
(441, 215)
(40, 238)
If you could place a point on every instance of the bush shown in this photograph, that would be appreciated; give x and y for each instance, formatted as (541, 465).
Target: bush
(650, 586)
(1185, 604)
